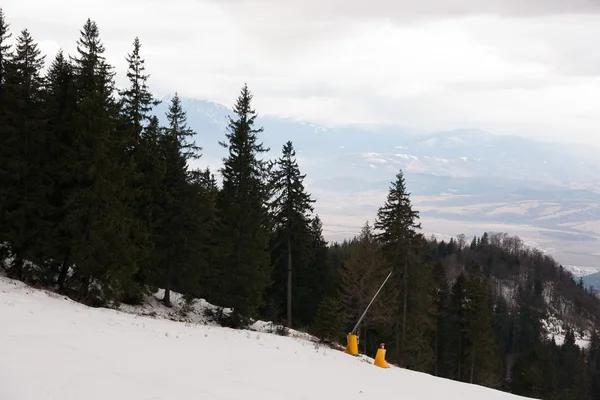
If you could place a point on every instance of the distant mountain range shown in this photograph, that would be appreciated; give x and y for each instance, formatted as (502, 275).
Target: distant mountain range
(470, 179)
(378, 152)
(579, 272)
(592, 280)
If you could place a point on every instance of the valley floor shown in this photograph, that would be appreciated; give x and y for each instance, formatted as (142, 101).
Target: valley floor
(53, 348)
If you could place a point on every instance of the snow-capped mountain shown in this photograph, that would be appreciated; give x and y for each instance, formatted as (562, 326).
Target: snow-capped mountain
(378, 152)
(579, 272)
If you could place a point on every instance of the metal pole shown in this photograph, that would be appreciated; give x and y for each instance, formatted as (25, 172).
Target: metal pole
(363, 314)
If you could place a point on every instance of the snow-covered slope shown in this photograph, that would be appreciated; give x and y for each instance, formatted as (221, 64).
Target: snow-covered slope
(54, 348)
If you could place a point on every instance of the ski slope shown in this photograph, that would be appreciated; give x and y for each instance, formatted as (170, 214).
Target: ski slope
(52, 348)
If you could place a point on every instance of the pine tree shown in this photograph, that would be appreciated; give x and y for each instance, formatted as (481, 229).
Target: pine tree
(480, 351)
(291, 208)
(100, 218)
(454, 354)
(244, 230)
(6, 133)
(179, 254)
(569, 357)
(397, 223)
(527, 324)
(316, 280)
(61, 105)
(530, 375)
(136, 100)
(5, 52)
(361, 276)
(23, 153)
(501, 323)
(440, 294)
(594, 364)
(208, 213)
(329, 320)
(581, 384)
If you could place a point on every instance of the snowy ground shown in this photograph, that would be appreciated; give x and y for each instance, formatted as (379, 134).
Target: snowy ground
(195, 313)
(53, 348)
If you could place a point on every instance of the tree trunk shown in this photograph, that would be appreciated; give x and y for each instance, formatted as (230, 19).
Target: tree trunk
(85, 288)
(167, 298)
(62, 276)
(435, 367)
(401, 362)
(459, 356)
(397, 330)
(514, 335)
(472, 366)
(289, 283)
(404, 309)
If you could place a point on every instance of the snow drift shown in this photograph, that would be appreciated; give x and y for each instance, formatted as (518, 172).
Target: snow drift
(53, 348)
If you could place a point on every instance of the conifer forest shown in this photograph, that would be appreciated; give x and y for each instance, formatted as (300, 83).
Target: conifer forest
(98, 202)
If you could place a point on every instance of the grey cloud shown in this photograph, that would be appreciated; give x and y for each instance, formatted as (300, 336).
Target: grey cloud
(288, 27)
(507, 84)
(445, 112)
(565, 45)
(578, 53)
(112, 35)
(581, 64)
(313, 90)
(410, 9)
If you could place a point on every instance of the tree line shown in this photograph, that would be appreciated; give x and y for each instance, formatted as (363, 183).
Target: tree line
(473, 312)
(98, 201)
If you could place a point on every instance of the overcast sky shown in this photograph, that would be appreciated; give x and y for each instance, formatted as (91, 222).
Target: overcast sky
(527, 67)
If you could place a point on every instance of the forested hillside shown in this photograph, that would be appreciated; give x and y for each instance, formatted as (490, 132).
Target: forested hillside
(97, 201)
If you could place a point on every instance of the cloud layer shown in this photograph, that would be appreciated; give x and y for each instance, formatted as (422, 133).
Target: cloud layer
(410, 10)
(510, 66)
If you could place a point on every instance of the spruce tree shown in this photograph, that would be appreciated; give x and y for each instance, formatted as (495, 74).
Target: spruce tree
(316, 280)
(136, 100)
(480, 350)
(61, 105)
(397, 223)
(178, 252)
(23, 175)
(594, 364)
(5, 52)
(473, 243)
(244, 229)
(361, 276)
(208, 192)
(291, 208)
(6, 134)
(329, 320)
(440, 294)
(530, 375)
(501, 323)
(527, 325)
(581, 385)
(569, 357)
(100, 218)
(454, 354)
